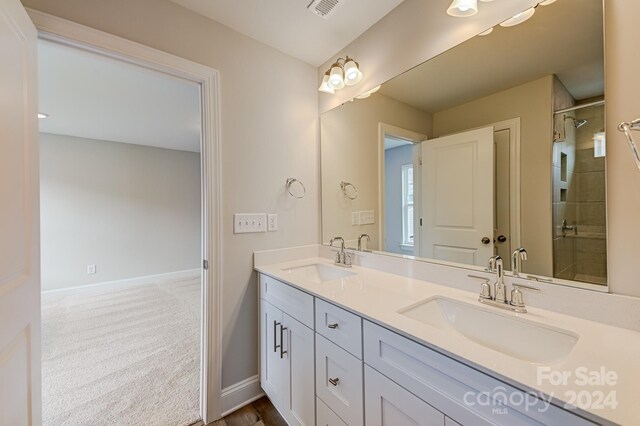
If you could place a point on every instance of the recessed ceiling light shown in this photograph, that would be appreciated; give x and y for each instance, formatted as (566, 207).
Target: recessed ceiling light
(484, 33)
(43, 115)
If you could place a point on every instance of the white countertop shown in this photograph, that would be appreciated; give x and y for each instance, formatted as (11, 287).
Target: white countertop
(378, 296)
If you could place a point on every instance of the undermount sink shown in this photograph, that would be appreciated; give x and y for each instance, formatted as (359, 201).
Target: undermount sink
(319, 272)
(513, 336)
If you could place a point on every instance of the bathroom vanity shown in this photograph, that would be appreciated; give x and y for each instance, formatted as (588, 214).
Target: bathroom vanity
(360, 346)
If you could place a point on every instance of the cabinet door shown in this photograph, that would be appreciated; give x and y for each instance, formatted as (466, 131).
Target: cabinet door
(299, 389)
(388, 404)
(272, 367)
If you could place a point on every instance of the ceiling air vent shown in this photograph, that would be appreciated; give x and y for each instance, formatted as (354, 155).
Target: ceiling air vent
(324, 8)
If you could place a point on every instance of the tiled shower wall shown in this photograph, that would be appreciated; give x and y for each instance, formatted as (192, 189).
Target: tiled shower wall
(579, 197)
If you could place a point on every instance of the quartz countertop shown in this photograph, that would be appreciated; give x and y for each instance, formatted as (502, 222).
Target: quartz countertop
(601, 350)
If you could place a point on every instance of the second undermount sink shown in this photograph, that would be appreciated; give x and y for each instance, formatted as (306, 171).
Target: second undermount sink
(319, 272)
(514, 336)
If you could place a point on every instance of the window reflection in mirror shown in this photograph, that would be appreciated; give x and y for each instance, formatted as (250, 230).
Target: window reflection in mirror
(483, 149)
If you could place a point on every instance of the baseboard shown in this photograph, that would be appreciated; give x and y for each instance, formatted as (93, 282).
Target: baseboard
(238, 395)
(146, 279)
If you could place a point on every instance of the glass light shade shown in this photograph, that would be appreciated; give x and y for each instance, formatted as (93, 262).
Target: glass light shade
(484, 33)
(325, 86)
(352, 73)
(547, 2)
(336, 77)
(463, 8)
(519, 18)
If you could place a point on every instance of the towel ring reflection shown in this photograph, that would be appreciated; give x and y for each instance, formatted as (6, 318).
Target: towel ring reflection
(626, 128)
(344, 185)
(290, 182)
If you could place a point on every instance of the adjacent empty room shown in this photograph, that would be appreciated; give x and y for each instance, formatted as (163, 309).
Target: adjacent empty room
(121, 241)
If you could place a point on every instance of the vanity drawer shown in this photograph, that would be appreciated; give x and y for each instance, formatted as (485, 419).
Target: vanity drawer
(294, 302)
(339, 381)
(452, 387)
(326, 417)
(341, 327)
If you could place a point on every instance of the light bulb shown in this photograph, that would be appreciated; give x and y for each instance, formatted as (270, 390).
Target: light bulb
(336, 79)
(352, 73)
(325, 86)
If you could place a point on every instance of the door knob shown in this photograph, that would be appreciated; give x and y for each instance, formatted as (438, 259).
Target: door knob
(502, 238)
(485, 240)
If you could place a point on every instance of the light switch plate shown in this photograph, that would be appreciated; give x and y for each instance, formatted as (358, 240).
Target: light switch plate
(246, 223)
(272, 222)
(366, 217)
(355, 219)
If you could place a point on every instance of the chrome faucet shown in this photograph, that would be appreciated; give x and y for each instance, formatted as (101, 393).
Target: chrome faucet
(360, 241)
(518, 256)
(499, 290)
(499, 296)
(342, 258)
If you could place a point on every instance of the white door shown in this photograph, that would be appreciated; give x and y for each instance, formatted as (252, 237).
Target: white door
(19, 220)
(271, 365)
(457, 197)
(299, 401)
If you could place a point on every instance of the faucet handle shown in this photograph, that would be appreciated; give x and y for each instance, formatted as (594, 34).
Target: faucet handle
(347, 261)
(485, 290)
(517, 298)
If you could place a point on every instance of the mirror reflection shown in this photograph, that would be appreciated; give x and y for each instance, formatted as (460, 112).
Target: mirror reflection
(494, 145)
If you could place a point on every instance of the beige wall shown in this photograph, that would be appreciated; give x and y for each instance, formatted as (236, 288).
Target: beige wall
(533, 103)
(350, 152)
(269, 128)
(131, 210)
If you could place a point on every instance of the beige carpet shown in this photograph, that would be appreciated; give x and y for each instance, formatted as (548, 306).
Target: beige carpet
(122, 355)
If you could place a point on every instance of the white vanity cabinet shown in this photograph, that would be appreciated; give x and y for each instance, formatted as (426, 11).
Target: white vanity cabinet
(287, 352)
(322, 364)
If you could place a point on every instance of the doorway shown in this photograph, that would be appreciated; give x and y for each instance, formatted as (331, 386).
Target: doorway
(121, 238)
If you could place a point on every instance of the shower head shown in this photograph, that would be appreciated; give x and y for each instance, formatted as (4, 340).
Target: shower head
(577, 123)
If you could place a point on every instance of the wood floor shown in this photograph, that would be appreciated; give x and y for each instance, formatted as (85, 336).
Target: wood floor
(259, 413)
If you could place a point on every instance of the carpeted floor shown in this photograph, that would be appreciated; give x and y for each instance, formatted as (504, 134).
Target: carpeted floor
(122, 354)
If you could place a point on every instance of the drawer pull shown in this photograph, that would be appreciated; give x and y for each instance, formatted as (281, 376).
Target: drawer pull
(282, 352)
(334, 382)
(275, 340)
(333, 326)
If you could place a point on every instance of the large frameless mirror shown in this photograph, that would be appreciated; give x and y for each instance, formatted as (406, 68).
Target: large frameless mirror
(491, 146)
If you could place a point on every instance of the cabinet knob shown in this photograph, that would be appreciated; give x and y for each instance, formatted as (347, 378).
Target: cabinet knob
(333, 326)
(334, 382)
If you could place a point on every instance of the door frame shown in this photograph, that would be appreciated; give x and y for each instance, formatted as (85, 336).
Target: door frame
(415, 138)
(62, 31)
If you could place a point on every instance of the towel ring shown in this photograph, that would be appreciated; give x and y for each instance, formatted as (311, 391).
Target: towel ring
(626, 128)
(290, 182)
(344, 185)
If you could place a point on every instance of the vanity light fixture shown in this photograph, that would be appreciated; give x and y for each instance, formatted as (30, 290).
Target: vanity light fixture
(43, 115)
(519, 18)
(343, 72)
(487, 32)
(463, 8)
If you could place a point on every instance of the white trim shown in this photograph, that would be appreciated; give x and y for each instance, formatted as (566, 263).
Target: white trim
(513, 125)
(143, 279)
(72, 34)
(410, 136)
(242, 393)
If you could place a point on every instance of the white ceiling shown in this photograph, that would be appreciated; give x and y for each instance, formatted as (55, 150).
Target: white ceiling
(390, 143)
(564, 38)
(290, 27)
(95, 97)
